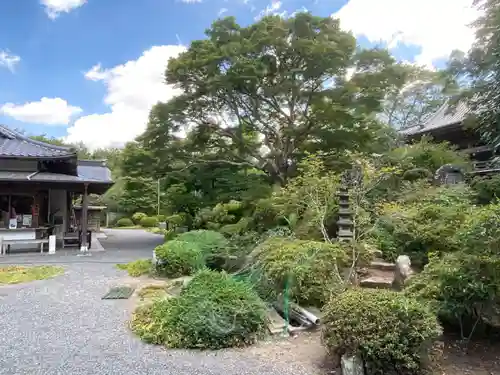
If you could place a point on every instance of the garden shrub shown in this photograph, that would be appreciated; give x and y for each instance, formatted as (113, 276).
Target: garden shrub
(137, 267)
(213, 311)
(392, 333)
(209, 242)
(486, 189)
(176, 220)
(425, 220)
(179, 258)
(169, 235)
(161, 218)
(124, 222)
(463, 289)
(137, 217)
(309, 268)
(148, 222)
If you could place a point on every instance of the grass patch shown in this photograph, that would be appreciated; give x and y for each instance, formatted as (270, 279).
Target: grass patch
(137, 267)
(152, 292)
(18, 274)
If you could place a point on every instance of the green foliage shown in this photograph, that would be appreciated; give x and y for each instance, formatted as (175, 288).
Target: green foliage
(137, 267)
(465, 287)
(124, 222)
(213, 311)
(137, 217)
(161, 218)
(389, 331)
(310, 268)
(176, 220)
(169, 235)
(139, 193)
(179, 258)
(212, 244)
(424, 220)
(148, 222)
(487, 189)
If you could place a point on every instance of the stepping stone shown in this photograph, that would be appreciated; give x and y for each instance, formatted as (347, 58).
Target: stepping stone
(382, 265)
(376, 282)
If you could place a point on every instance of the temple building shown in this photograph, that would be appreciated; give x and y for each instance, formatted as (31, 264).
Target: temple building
(39, 183)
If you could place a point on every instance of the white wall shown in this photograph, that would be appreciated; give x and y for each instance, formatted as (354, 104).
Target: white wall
(58, 202)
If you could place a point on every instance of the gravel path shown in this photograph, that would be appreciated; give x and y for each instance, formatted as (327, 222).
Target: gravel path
(61, 326)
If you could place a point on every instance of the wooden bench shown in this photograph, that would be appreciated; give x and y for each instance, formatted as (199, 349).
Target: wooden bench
(6, 244)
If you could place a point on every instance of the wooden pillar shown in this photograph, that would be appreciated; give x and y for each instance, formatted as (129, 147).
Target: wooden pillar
(84, 220)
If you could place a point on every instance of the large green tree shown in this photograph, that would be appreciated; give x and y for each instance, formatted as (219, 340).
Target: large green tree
(479, 71)
(262, 95)
(416, 96)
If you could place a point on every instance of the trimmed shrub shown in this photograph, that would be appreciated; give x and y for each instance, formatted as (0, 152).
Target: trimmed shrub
(308, 268)
(463, 290)
(179, 258)
(148, 222)
(213, 311)
(137, 267)
(161, 218)
(210, 242)
(176, 220)
(169, 235)
(390, 332)
(425, 220)
(124, 222)
(137, 217)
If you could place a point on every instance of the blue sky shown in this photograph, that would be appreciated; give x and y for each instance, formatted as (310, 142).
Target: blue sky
(89, 70)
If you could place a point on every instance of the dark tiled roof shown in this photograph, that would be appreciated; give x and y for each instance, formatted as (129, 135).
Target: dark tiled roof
(15, 145)
(91, 171)
(444, 116)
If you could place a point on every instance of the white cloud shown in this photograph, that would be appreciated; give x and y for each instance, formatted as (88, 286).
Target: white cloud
(272, 8)
(132, 89)
(47, 111)
(222, 11)
(54, 8)
(437, 26)
(8, 60)
(191, 1)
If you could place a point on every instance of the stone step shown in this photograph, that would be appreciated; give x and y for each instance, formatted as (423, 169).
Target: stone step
(376, 282)
(382, 265)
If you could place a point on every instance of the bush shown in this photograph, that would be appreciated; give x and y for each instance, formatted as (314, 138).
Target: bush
(486, 189)
(463, 289)
(179, 258)
(137, 268)
(176, 220)
(137, 217)
(148, 222)
(390, 332)
(211, 244)
(124, 222)
(161, 218)
(169, 235)
(308, 268)
(425, 220)
(213, 311)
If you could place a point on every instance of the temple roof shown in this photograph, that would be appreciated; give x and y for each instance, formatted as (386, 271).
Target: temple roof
(16, 145)
(445, 116)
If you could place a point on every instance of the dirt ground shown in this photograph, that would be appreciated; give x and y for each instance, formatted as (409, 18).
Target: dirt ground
(306, 350)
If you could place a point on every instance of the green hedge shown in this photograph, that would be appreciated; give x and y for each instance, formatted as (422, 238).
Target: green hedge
(148, 222)
(179, 258)
(307, 268)
(124, 222)
(137, 217)
(213, 311)
(390, 332)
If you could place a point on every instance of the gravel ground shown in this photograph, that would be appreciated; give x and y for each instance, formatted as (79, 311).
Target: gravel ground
(61, 326)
